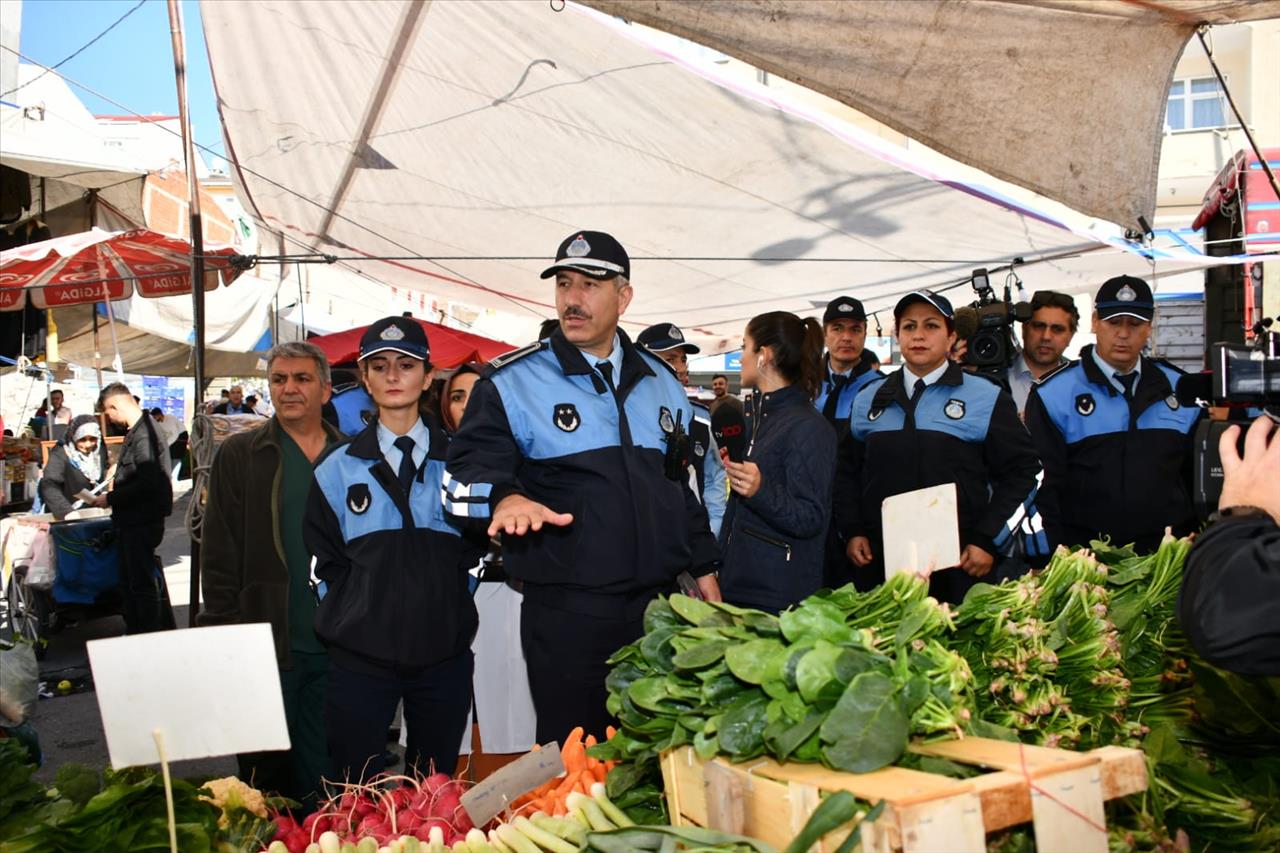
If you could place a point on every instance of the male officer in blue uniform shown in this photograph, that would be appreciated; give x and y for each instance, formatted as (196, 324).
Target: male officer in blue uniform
(390, 569)
(1116, 445)
(845, 373)
(666, 341)
(571, 447)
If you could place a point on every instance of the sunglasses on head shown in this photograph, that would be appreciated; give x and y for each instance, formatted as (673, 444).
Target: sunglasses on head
(1050, 299)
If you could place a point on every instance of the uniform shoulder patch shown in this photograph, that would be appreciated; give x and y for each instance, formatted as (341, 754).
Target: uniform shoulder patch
(517, 354)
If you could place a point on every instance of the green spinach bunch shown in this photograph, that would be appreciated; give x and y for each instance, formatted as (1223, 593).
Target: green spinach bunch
(844, 678)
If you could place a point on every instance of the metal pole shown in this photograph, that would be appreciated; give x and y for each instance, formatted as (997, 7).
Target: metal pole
(1248, 134)
(197, 253)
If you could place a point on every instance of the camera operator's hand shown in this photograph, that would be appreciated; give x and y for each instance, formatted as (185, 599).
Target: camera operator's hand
(959, 350)
(1255, 479)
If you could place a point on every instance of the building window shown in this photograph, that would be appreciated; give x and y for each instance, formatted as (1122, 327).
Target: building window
(1196, 103)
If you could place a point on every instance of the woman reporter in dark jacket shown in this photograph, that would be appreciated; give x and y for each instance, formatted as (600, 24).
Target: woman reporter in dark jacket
(776, 524)
(78, 463)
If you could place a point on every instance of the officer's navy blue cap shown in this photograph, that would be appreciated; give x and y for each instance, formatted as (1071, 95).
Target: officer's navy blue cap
(1125, 296)
(844, 308)
(592, 253)
(937, 300)
(666, 336)
(397, 334)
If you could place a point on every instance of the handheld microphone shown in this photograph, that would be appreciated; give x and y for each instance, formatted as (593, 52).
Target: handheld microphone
(730, 430)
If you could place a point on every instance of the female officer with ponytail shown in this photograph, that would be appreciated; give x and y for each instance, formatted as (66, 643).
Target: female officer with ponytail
(775, 527)
(929, 424)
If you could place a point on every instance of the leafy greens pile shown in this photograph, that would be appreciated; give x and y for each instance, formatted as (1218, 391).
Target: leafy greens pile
(842, 678)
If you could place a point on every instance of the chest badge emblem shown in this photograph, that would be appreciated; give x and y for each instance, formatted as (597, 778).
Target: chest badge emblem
(954, 409)
(1172, 402)
(665, 420)
(566, 417)
(698, 449)
(359, 499)
(874, 414)
(1085, 404)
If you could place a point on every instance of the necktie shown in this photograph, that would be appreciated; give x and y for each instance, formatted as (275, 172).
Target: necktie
(606, 370)
(833, 396)
(1128, 380)
(917, 390)
(407, 469)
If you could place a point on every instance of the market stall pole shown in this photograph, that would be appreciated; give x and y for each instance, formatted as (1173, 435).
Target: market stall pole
(197, 255)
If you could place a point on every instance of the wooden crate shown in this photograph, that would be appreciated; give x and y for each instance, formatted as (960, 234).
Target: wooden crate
(1059, 791)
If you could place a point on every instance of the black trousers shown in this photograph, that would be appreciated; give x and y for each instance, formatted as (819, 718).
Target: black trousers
(565, 653)
(142, 586)
(361, 704)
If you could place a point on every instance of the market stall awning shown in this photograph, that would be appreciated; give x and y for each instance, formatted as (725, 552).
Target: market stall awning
(449, 347)
(450, 147)
(1063, 97)
(98, 264)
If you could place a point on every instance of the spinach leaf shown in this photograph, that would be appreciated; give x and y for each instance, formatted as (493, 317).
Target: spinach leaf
(867, 728)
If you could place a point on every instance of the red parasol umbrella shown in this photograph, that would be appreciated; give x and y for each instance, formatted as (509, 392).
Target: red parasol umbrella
(97, 264)
(449, 347)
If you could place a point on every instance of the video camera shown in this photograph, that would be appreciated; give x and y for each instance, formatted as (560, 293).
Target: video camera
(986, 326)
(1246, 381)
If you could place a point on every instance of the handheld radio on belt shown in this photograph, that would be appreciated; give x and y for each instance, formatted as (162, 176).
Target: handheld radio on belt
(679, 451)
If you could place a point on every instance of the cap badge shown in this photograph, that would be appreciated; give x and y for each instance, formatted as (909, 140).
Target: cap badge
(392, 333)
(1085, 404)
(1127, 294)
(566, 417)
(579, 248)
(844, 306)
(675, 333)
(954, 409)
(665, 420)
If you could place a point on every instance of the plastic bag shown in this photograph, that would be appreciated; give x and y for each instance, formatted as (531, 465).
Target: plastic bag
(42, 570)
(20, 676)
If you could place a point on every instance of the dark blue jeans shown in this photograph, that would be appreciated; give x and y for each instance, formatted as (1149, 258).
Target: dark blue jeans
(361, 705)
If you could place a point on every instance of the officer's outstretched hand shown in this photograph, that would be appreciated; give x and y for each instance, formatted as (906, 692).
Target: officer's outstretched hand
(517, 515)
(859, 550)
(975, 561)
(1255, 479)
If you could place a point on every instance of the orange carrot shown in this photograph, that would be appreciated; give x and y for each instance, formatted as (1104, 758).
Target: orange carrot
(599, 771)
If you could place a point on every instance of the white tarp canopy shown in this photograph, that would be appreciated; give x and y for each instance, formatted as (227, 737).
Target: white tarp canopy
(480, 134)
(48, 133)
(156, 337)
(1063, 97)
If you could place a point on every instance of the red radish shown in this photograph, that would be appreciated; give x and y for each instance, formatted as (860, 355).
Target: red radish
(435, 782)
(297, 841)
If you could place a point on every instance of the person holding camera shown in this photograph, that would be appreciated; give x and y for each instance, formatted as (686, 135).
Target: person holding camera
(929, 424)
(1115, 442)
(1229, 605)
(775, 529)
(1045, 337)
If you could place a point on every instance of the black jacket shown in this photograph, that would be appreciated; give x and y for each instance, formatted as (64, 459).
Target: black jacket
(773, 541)
(543, 424)
(965, 430)
(62, 480)
(393, 566)
(243, 572)
(141, 493)
(1113, 467)
(1229, 606)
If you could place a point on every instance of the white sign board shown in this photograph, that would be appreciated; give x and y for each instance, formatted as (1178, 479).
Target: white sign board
(921, 530)
(208, 691)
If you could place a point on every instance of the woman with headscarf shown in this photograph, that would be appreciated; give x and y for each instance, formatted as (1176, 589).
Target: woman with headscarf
(78, 463)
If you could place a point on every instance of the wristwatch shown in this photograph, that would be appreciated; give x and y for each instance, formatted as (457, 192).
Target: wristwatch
(1235, 512)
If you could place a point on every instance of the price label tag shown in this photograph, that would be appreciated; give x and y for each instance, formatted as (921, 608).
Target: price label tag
(489, 798)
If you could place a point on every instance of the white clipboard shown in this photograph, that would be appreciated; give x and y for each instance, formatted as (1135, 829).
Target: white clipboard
(921, 530)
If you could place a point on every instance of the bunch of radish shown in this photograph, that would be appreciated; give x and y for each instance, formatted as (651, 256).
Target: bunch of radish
(425, 810)
(536, 833)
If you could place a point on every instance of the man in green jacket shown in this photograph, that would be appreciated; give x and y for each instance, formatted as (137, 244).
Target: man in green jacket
(254, 566)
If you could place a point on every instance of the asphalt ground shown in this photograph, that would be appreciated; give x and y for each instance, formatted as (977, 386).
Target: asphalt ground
(70, 726)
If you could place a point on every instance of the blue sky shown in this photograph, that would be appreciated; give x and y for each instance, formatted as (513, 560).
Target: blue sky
(133, 64)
